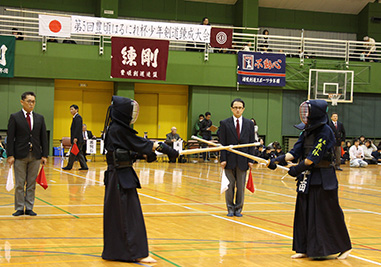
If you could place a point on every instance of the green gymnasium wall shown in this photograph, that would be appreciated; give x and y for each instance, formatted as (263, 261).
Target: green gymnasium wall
(11, 90)
(308, 20)
(177, 10)
(374, 28)
(243, 13)
(360, 117)
(67, 61)
(212, 83)
(80, 6)
(263, 105)
(360, 24)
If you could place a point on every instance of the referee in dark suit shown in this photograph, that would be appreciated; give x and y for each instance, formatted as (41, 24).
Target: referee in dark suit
(339, 131)
(233, 131)
(27, 147)
(76, 137)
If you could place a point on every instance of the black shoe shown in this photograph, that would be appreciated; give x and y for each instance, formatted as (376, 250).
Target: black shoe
(238, 214)
(83, 169)
(66, 168)
(339, 169)
(230, 214)
(18, 213)
(30, 213)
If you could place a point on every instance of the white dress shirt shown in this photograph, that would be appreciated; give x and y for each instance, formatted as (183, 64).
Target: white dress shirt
(30, 116)
(85, 136)
(240, 123)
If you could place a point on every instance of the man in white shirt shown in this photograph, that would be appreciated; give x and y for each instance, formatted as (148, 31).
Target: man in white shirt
(370, 48)
(356, 155)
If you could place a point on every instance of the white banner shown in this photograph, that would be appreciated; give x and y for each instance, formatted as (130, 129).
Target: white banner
(140, 29)
(102, 146)
(91, 146)
(178, 145)
(57, 26)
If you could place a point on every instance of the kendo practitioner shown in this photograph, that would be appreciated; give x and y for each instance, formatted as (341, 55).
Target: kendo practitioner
(125, 237)
(319, 226)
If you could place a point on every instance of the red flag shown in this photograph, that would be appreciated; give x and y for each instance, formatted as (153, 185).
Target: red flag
(221, 37)
(41, 178)
(74, 149)
(250, 183)
(342, 151)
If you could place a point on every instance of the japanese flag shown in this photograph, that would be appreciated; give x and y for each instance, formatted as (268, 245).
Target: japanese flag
(54, 26)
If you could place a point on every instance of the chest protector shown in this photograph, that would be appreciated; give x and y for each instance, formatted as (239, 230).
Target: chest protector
(308, 145)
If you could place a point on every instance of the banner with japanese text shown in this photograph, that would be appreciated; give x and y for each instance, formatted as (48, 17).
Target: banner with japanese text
(144, 59)
(140, 29)
(7, 56)
(266, 69)
(91, 146)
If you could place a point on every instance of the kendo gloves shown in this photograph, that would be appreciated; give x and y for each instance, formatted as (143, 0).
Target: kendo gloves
(279, 160)
(164, 148)
(151, 157)
(298, 169)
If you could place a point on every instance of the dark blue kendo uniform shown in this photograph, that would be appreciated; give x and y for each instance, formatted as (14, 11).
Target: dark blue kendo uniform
(124, 234)
(319, 226)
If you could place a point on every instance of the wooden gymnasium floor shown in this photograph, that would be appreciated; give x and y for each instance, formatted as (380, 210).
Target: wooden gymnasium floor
(185, 217)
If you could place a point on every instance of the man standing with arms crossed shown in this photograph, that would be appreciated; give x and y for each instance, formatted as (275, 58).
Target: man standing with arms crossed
(234, 131)
(27, 148)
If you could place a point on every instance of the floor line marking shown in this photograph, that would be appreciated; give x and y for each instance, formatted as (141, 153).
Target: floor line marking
(57, 207)
(170, 212)
(171, 262)
(260, 190)
(248, 225)
(254, 227)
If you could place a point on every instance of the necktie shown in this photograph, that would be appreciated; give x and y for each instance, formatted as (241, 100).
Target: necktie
(336, 125)
(28, 120)
(237, 129)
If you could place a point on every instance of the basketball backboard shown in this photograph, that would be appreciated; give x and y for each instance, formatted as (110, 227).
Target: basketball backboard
(324, 83)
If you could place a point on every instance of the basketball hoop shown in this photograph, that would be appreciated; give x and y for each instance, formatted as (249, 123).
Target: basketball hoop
(334, 98)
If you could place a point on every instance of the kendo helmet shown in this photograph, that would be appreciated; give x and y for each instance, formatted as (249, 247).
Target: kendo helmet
(313, 113)
(124, 110)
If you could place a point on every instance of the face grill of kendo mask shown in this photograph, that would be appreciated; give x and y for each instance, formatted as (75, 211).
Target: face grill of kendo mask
(135, 111)
(304, 111)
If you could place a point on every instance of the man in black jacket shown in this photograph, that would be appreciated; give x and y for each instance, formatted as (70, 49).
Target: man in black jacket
(76, 137)
(27, 147)
(233, 131)
(206, 133)
(339, 131)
